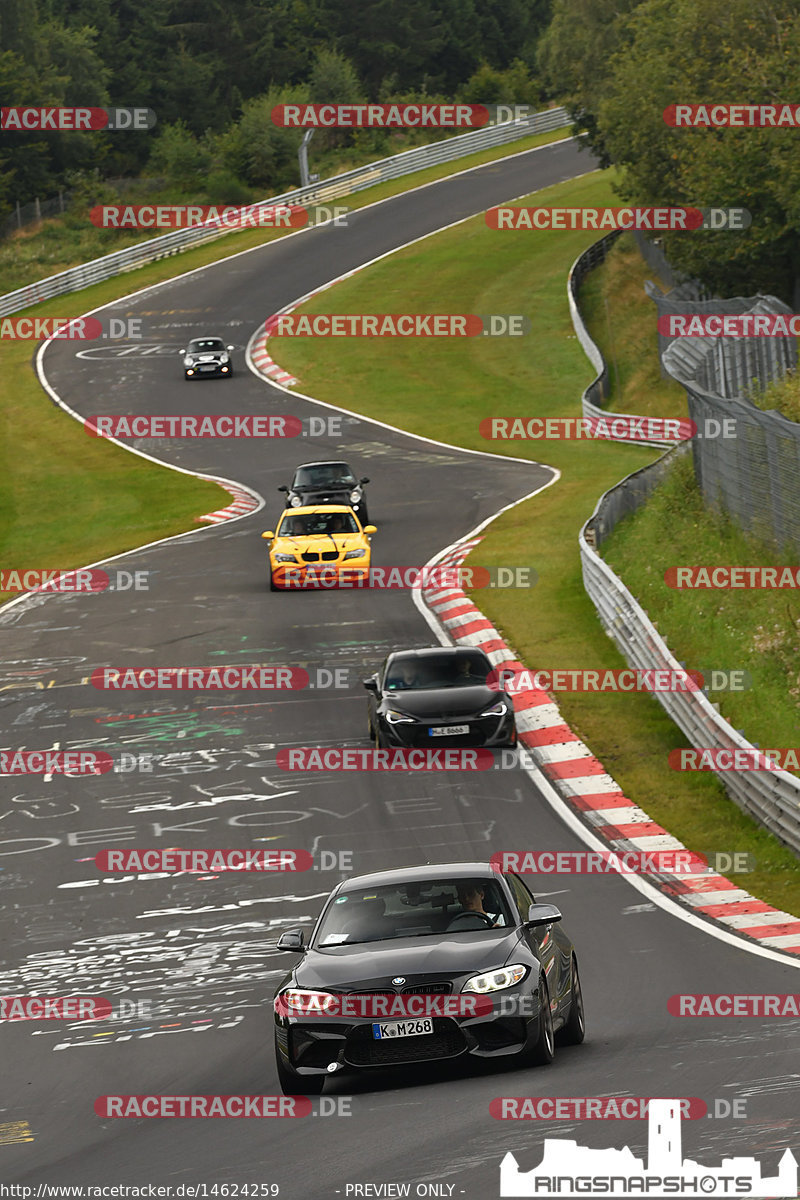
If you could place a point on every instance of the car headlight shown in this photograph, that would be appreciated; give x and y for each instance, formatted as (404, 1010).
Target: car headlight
(188, 361)
(285, 558)
(496, 710)
(356, 495)
(301, 1001)
(354, 554)
(397, 718)
(223, 358)
(295, 501)
(495, 981)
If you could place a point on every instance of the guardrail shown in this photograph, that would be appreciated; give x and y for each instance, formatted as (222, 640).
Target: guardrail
(597, 391)
(318, 193)
(772, 798)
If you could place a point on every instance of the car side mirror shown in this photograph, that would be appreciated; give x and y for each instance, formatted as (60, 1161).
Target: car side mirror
(370, 529)
(283, 488)
(542, 914)
(292, 940)
(364, 479)
(268, 534)
(370, 684)
(230, 347)
(181, 352)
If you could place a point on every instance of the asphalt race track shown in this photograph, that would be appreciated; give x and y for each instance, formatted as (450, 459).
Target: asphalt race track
(202, 949)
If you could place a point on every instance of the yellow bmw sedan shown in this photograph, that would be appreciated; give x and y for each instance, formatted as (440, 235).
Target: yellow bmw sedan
(320, 546)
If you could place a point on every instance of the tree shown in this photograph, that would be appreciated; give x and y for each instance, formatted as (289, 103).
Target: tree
(727, 51)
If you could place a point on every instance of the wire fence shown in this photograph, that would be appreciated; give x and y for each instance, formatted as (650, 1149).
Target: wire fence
(754, 475)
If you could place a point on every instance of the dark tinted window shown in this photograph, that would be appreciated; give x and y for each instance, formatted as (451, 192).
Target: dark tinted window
(209, 345)
(415, 909)
(324, 475)
(522, 896)
(467, 668)
(322, 524)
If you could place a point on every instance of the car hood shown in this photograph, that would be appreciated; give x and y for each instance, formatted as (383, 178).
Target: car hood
(318, 543)
(316, 495)
(437, 957)
(442, 702)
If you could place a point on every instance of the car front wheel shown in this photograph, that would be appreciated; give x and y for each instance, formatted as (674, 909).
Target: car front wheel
(543, 1049)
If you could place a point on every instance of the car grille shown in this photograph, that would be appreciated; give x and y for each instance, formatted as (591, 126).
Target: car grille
(363, 1050)
(424, 989)
(310, 556)
(327, 555)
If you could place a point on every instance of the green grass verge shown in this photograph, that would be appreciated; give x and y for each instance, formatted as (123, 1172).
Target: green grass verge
(442, 391)
(623, 324)
(59, 243)
(113, 501)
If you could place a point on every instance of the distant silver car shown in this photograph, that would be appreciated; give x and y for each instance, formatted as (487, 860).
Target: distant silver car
(206, 356)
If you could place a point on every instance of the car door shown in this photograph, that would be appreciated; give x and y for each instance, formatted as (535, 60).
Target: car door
(545, 945)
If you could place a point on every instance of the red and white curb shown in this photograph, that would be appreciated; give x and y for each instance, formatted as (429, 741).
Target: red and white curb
(581, 781)
(265, 364)
(243, 502)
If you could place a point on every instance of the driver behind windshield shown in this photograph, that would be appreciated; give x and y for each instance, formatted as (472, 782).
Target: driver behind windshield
(471, 896)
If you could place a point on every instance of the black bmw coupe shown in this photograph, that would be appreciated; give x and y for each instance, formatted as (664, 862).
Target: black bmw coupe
(422, 964)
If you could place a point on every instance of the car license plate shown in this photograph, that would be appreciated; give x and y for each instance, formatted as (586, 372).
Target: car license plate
(447, 730)
(393, 1029)
(208, 367)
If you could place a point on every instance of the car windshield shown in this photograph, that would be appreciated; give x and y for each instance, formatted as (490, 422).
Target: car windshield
(199, 345)
(324, 475)
(317, 524)
(464, 669)
(414, 909)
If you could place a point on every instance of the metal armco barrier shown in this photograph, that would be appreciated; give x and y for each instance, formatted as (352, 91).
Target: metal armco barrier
(594, 395)
(318, 193)
(772, 798)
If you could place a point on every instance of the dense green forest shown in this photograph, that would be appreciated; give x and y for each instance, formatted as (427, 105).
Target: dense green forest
(212, 70)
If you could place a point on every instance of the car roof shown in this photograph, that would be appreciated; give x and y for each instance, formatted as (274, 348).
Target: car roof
(453, 870)
(305, 509)
(207, 337)
(430, 651)
(328, 462)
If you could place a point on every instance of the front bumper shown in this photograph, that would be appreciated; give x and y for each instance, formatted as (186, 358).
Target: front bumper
(310, 1046)
(482, 731)
(320, 575)
(209, 370)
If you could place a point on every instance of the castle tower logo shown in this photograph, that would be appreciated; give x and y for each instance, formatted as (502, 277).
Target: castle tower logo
(569, 1170)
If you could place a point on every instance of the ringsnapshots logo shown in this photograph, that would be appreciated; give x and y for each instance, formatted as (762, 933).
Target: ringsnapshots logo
(398, 325)
(653, 219)
(23, 119)
(568, 1169)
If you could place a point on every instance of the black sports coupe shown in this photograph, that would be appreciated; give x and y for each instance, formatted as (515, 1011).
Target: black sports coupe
(422, 964)
(327, 483)
(440, 696)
